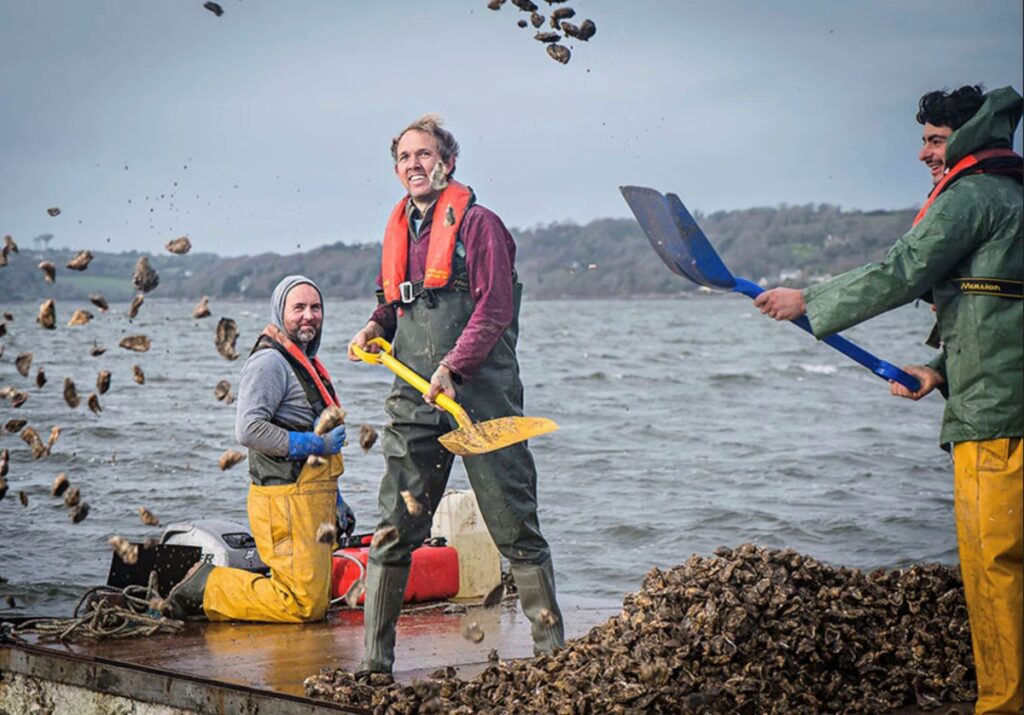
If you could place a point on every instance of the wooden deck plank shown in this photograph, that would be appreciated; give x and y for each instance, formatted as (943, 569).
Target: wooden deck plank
(279, 657)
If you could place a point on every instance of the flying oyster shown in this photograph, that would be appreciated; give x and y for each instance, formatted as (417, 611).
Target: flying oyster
(221, 390)
(138, 375)
(367, 437)
(80, 317)
(47, 314)
(70, 393)
(133, 309)
(230, 458)
(145, 278)
(94, 403)
(79, 513)
(227, 334)
(136, 343)
(23, 363)
(100, 302)
(49, 271)
(81, 261)
(180, 246)
(40, 377)
(202, 309)
(103, 381)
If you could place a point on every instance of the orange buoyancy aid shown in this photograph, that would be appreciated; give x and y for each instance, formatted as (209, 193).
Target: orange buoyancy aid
(313, 371)
(449, 210)
(987, 161)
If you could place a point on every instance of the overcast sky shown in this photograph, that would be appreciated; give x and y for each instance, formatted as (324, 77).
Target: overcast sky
(267, 129)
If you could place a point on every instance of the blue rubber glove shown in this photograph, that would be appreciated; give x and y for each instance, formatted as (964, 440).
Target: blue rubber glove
(345, 517)
(303, 444)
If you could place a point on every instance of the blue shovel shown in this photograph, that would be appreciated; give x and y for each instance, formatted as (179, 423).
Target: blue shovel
(685, 249)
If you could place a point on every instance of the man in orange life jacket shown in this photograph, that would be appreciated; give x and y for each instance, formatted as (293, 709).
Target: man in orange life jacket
(966, 250)
(282, 391)
(449, 302)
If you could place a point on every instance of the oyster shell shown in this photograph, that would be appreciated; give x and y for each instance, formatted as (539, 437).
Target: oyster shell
(103, 381)
(138, 376)
(367, 437)
(81, 261)
(227, 334)
(80, 317)
(202, 309)
(133, 309)
(99, 301)
(230, 458)
(136, 343)
(70, 393)
(180, 246)
(47, 314)
(49, 271)
(23, 363)
(145, 278)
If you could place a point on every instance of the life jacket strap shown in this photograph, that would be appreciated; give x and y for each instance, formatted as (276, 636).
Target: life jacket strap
(409, 291)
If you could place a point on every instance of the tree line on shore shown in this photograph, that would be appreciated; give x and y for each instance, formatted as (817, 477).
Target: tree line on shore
(606, 258)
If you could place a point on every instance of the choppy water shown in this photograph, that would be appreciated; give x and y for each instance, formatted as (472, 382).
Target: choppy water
(685, 424)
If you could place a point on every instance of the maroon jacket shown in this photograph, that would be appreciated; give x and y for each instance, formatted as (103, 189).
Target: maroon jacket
(490, 261)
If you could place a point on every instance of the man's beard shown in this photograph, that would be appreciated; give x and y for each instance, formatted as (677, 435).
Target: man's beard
(305, 335)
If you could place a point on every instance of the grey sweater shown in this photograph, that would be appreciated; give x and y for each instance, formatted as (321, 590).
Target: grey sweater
(268, 389)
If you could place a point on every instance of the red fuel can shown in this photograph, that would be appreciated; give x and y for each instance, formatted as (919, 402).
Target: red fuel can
(433, 576)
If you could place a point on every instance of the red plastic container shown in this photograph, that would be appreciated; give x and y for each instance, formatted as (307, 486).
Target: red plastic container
(434, 574)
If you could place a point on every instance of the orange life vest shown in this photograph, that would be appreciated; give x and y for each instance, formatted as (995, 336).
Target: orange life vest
(312, 370)
(449, 210)
(980, 162)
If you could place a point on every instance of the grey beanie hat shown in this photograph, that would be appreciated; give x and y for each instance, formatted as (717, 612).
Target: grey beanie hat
(277, 307)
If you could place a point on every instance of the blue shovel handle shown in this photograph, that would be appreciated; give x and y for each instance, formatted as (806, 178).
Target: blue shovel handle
(885, 370)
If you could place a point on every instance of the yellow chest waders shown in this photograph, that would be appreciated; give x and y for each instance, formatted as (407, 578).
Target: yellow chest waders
(284, 519)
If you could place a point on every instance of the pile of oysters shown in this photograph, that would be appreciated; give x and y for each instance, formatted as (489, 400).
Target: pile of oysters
(747, 630)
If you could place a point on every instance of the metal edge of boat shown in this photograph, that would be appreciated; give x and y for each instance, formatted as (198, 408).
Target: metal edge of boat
(152, 685)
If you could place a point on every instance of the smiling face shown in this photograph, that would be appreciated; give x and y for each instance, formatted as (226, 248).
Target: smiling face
(933, 151)
(303, 313)
(419, 167)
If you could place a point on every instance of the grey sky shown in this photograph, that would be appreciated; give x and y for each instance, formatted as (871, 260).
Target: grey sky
(282, 112)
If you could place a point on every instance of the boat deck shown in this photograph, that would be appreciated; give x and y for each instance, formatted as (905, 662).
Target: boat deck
(269, 660)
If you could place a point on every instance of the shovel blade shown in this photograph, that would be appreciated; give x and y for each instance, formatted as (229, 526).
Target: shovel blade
(484, 437)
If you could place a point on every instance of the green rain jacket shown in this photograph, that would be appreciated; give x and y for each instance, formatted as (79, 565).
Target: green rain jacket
(972, 230)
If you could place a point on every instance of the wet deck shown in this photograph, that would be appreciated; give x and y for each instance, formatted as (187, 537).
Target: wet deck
(277, 658)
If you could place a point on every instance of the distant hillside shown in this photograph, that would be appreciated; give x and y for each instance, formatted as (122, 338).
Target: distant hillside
(604, 258)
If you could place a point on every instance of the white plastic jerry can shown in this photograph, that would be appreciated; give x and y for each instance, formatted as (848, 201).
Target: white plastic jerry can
(459, 521)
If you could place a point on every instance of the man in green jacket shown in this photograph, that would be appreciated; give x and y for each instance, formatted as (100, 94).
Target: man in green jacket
(966, 249)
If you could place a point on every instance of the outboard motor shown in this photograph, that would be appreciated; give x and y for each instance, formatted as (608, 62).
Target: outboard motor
(223, 543)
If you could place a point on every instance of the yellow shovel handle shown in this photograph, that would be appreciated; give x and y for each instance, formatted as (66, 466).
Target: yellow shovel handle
(413, 378)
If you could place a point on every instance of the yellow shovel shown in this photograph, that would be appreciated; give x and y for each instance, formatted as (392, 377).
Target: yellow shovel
(469, 438)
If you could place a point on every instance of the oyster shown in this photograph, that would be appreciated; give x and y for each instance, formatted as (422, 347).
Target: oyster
(79, 513)
(99, 301)
(53, 211)
(80, 317)
(383, 536)
(70, 393)
(103, 382)
(221, 390)
(536, 19)
(23, 363)
(15, 425)
(49, 271)
(411, 504)
(136, 343)
(30, 437)
(23, 498)
(367, 437)
(94, 403)
(96, 350)
(126, 551)
(60, 485)
(472, 632)
(72, 497)
(355, 592)
(47, 314)
(147, 517)
(494, 596)
(525, 5)
(547, 37)
(227, 334)
(145, 278)
(133, 309)
(559, 53)
(81, 261)
(40, 377)
(214, 8)
(326, 533)
(180, 246)
(138, 376)
(230, 458)
(202, 309)
(495, 4)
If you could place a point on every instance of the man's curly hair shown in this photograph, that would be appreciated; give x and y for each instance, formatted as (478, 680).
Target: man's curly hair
(950, 109)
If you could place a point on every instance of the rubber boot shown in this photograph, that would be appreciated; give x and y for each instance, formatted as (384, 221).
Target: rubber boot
(385, 592)
(186, 598)
(536, 585)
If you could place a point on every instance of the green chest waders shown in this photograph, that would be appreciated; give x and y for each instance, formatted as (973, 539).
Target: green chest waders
(505, 481)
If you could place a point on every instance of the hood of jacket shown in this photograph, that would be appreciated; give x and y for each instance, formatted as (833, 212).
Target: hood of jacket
(991, 127)
(277, 308)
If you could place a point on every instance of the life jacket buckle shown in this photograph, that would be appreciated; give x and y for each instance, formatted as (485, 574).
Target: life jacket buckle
(405, 290)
